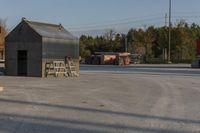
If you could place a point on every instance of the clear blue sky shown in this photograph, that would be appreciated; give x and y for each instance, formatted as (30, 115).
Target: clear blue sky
(81, 16)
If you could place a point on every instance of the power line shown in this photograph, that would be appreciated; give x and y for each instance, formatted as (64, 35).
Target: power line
(196, 16)
(197, 12)
(118, 20)
(118, 23)
(161, 23)
(131, 19)
(128, 22)
(153, 21)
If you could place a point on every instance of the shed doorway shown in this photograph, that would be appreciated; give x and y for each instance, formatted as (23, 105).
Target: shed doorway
(22, 62)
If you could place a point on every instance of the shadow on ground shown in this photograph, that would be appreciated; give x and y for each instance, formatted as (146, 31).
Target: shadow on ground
(125, 114)
(26, 123)
(31, 124)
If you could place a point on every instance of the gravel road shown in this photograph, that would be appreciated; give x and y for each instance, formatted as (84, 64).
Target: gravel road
(101, 103)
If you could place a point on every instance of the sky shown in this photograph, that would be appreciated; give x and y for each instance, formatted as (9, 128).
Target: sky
(97, 16)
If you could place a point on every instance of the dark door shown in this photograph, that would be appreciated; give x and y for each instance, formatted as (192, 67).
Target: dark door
(22, 63)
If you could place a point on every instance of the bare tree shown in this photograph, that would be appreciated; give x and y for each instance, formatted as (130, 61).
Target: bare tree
(3, 33)
(3, 28)
(110, 34)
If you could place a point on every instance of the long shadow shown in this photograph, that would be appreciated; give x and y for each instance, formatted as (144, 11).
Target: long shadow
(26, 126)
(125, 114)
(55, 125)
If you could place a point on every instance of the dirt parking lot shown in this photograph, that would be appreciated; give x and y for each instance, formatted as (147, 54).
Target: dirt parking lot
(100, 103)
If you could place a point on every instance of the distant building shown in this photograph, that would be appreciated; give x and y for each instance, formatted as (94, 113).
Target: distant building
(32, 44)
(109, 58)
(2, 42)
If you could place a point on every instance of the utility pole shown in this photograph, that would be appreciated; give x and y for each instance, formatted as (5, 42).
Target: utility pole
(169, 46)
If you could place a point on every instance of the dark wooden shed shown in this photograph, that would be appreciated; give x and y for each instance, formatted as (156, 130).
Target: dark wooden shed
(31, 44)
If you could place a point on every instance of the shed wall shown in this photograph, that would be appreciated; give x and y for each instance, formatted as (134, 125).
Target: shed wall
(34, 61)
(58, 49)
(24, 38)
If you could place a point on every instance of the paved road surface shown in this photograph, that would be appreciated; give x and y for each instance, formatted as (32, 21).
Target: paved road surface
(164, 69)
(101, 103)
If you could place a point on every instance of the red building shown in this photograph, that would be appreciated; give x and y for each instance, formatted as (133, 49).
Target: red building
(109, 58)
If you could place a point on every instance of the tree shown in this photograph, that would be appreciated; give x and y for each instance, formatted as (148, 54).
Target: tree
(162, 40)
(3, 33)
(109, 37)
(118, 46)
(83, 46)
(149, 41)
(136, 41)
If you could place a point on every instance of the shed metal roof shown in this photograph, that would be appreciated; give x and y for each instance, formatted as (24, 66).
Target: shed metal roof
(50, 30)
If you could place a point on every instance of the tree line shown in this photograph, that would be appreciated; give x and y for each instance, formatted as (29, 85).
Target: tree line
(151, 42)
